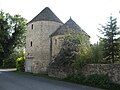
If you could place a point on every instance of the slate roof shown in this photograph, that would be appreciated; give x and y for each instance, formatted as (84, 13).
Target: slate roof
(46, 15)
(69, 25)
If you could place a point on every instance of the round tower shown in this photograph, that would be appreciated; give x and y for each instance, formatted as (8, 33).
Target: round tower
(57, 38)
(38, 42)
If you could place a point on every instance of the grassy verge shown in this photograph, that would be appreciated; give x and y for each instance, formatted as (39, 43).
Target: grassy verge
(95, 80)
(99, 81)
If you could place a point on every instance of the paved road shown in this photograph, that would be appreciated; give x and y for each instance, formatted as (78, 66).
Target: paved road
(13, 81)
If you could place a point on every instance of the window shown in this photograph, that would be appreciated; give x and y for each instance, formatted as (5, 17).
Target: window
(55, 41)
(31, 43)
(32, 26)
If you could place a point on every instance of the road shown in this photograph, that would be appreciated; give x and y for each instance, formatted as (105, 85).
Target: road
(14, 81)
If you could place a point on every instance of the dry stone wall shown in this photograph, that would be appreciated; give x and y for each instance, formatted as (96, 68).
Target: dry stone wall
(112, 70)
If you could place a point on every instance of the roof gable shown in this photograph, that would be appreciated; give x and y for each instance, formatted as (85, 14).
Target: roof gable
(69, 25)
(46, 15)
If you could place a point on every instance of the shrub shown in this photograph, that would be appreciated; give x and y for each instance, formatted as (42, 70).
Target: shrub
(95, 80)
(75, 78)
(9, 63)
(20, 64)
(102, 81)
(114, 86)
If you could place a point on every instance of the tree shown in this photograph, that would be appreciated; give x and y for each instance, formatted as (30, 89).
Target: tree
(20, 61)
(75, 51)
(12, 29)
(97, 52)
(111, 44)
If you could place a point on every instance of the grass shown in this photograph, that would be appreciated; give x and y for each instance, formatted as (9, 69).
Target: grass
(99, 81)
(95, 80)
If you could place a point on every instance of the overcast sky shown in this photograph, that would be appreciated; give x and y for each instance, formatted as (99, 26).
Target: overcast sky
(88, 14)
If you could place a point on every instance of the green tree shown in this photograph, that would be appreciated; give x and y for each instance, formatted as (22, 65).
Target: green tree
(111, 44)
(75, 51)
(20, 61)
(12, 29)
(97, 52)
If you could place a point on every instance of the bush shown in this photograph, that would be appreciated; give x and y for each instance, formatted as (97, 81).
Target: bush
(20, 64)
(102, 81)
(76, 79)
(95, 80)
(9, 63)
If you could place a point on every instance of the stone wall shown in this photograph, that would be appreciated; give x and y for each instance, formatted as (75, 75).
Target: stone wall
(57, 42)
(59, 72)
(112, 70)
(38, 55)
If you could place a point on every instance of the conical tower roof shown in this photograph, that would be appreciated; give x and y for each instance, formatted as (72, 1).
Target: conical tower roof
(46, 15)
(69, 25)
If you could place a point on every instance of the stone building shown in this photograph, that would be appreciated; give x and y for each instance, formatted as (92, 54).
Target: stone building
(44, 38)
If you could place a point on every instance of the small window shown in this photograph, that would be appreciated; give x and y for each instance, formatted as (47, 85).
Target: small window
(31, 43)
(55, 41)
(32, 26)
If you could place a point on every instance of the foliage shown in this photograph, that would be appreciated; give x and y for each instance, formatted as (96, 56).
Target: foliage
(12, 29)
(74, 51)
(98, 80)
(111, 41)
(83, 50)
(83, 58)
(20, 62)
(95, 80)
(97, 52)
(80, 79)
(10, 63)
(71, 47)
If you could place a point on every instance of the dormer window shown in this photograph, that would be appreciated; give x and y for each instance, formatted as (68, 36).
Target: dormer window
(31, 43)
(32, 26)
